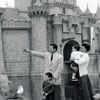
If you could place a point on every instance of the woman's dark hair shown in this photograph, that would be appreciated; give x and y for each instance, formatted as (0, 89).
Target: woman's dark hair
(87, 46)
(49, 74)
(54, 46)
(77, 47)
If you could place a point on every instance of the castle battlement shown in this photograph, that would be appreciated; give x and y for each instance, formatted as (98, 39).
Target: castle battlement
(37, 10)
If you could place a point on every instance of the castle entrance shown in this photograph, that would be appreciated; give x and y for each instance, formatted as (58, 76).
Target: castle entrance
(67, 75)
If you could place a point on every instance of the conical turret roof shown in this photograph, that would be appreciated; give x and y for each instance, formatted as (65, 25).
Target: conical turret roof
(87, 11)
(79, 11)
(98, 17)
(98, 13)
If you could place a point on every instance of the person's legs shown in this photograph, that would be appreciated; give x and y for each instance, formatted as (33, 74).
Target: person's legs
(86, 91)
(90, 88)
(57, 92)
(50, 96)
(73, 75)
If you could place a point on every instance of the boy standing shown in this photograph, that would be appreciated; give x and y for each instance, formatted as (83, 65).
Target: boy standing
(48, 87)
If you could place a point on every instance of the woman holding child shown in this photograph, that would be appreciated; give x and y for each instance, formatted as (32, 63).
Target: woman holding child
(85, 88)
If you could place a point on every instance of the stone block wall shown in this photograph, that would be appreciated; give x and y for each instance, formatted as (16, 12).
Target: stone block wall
(17, 63)
(94, 69)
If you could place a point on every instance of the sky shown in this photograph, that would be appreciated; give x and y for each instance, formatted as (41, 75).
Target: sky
(6, 3)
(92, 4)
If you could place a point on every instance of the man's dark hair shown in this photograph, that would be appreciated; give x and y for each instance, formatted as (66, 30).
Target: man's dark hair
(87, 46)
(77, 47)
(49, 74)
(54, 46)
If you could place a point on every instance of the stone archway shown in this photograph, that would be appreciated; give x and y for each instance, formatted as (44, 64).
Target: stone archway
(67, 70)
(68, 49)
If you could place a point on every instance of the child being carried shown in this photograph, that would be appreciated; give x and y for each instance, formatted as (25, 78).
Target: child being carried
(75, 55)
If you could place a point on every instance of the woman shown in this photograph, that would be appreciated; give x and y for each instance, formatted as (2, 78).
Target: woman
(86, 92)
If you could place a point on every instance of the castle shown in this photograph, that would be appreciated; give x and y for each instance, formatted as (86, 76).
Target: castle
(34, 24)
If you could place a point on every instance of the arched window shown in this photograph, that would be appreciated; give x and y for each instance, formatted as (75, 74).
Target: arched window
(68, 49)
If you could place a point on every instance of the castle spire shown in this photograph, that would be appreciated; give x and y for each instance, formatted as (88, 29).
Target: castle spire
(6, 3)
(98, 3)
(87, 11)
(98, 12)
(87, 5)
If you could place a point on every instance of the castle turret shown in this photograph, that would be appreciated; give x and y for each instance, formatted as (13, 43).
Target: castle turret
(98, 13)
(98, 24)
(38, 13)
(87, 12)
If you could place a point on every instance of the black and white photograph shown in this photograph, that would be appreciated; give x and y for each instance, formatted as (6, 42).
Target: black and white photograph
(49, 49)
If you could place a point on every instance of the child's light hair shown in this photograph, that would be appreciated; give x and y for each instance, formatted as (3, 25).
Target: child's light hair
(20, 89)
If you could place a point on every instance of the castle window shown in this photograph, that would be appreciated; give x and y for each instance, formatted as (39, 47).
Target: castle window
(63, 10)
(65, 27)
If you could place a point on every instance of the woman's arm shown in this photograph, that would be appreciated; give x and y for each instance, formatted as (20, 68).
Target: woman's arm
(83, 59)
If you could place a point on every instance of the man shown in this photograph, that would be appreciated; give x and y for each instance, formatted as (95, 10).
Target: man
(53, 64)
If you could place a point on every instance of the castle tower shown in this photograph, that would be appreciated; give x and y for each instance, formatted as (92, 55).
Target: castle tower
(3, 76)
(98, 13)
(23, 7)
(87, 11)
(38, 13)
(98, 24)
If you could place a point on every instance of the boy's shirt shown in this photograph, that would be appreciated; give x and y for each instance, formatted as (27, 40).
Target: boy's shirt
(48, 87)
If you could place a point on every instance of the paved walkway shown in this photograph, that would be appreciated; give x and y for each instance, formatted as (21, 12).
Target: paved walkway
(19, 98)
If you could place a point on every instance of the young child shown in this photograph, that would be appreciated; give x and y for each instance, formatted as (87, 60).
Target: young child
(20, 90)
(48, 86)
(75, 55)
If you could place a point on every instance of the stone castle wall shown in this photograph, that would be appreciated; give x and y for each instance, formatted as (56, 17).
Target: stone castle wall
(16, 38)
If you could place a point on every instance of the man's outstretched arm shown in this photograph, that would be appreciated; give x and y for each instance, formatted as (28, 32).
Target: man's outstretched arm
(35, 53)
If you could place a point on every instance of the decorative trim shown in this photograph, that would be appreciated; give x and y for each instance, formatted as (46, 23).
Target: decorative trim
(63, 40)
(16, 27)
(11, 24)
(15, 23)
(64, 5)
